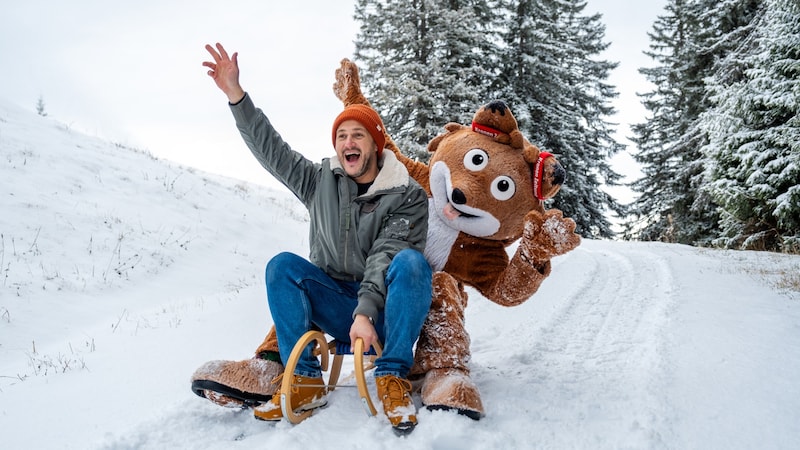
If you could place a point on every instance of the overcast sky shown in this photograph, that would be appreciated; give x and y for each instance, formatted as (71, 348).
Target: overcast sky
(131, 71)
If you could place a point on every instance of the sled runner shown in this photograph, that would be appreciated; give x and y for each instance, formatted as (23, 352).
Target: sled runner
(322, 350)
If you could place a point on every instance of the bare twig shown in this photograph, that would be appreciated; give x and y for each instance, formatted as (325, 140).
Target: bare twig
(34, 243)
(114, 328)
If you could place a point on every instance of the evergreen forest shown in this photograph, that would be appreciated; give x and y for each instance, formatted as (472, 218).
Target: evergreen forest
(719, 148)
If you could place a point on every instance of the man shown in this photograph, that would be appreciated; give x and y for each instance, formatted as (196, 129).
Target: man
(366, 277)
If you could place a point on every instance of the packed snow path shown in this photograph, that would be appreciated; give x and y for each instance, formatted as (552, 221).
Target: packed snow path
(590, 349)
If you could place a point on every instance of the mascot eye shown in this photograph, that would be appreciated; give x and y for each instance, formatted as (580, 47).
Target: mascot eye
(503, 188)
(476, 159)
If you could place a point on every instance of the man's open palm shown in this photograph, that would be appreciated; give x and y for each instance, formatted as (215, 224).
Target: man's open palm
(225, 72)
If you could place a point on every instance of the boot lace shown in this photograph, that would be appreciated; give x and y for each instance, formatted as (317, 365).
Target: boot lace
(277, 381)
(396, 392)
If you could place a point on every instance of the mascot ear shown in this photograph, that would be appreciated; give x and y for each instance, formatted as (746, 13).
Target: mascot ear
(517, 140)
(547, 173)
(530, 152)
(451, 128)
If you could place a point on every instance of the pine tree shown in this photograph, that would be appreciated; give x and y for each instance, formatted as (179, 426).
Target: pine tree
(755, 134)
(666, 139)
(40, 107)
(555, 84)
(429, 62)
(687, 44)
(425, 63)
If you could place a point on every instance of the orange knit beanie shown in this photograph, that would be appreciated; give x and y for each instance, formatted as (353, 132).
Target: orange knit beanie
(366, 116)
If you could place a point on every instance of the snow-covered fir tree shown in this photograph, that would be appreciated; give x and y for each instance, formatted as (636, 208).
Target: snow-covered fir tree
(556, 84)
(754, 129)
(660, 209)
(425, 63)
(40, 107)
(428, 62)
(687, 42)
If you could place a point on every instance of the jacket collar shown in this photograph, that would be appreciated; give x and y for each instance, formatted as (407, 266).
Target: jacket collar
(392, 173)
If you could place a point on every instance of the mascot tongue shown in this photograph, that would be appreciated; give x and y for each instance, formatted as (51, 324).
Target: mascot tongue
(450, 212)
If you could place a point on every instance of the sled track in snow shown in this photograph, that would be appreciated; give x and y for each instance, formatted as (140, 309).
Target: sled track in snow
(598, 358)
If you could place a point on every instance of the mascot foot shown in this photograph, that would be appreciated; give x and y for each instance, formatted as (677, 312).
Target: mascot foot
(237, 384)
(452, 389)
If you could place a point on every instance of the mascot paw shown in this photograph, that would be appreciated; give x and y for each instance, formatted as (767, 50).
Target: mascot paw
(547, 235)
(237, 384)
(452, 389)
(347, 87)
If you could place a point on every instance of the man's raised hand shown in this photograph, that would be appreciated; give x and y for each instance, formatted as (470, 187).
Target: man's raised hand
(224, 70)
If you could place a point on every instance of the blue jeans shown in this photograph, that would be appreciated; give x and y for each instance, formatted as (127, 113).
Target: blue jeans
(301, 294)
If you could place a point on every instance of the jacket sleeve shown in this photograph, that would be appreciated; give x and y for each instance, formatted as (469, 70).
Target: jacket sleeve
(289, 167)
(403, 228)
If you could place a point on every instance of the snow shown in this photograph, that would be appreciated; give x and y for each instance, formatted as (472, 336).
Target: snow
(121, 274)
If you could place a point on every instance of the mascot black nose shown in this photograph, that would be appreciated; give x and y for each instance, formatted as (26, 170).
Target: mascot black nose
(458, 197)
(559, 174)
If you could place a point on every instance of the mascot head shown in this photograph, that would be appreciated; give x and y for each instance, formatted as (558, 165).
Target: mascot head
(484, 178)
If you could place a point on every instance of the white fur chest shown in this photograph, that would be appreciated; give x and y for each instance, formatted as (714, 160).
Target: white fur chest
(441, 238)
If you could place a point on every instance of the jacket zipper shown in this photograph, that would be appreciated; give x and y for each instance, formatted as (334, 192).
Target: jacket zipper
(347, 235)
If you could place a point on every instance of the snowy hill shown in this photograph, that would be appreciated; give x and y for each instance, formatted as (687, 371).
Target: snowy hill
(120, 274)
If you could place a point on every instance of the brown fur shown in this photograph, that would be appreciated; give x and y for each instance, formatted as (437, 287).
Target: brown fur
(448, 347)
(249, 376)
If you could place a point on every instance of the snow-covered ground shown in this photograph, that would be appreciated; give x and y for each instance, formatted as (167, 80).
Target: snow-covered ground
(120, 274)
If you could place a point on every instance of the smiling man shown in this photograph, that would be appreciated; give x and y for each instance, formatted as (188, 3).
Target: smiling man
(366, 276)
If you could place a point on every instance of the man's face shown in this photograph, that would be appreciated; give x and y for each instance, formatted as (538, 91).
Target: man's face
(357, 151)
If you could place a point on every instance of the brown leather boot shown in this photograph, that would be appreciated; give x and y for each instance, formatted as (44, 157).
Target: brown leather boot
(307, 393)
(395, 394)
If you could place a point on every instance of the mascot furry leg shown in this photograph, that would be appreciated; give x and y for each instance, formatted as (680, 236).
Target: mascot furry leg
(441, 360)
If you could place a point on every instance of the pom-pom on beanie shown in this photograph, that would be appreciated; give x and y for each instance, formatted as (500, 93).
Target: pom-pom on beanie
(366, 116)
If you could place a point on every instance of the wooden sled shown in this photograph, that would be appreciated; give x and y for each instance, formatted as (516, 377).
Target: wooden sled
(322, 350)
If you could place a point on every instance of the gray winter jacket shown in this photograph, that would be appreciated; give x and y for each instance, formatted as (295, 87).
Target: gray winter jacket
(351, 237)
